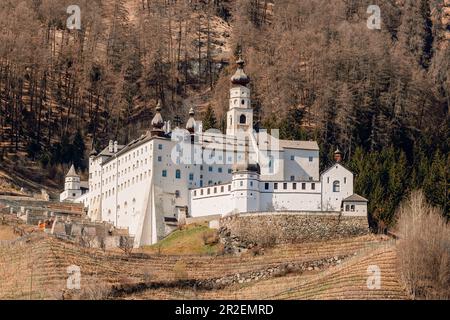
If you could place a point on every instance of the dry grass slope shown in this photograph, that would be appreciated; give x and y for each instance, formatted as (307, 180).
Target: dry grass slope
(37, 269)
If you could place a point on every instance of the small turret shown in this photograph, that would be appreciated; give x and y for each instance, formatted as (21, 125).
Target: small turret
(338, 155)
(72, 187)
(157, 121)
(190, 125)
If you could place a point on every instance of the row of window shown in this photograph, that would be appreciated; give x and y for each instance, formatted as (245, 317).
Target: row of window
(127, 158)
(276, 185)
(191, 175)
(126, 184)
(285, 185)
(212, 190)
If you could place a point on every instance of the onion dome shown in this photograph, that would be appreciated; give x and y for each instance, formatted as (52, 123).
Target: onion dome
(190, 125)
(239, 77)
(157, 121)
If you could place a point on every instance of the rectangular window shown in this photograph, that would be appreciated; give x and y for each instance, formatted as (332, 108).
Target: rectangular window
(345, 180)
(178, 174)
(191, 176)
(292, 158)
(241, 183)
(210, 169)
(310, 159)
(215, 189)
(159, 158)
(275, 186)
(284, 186)
(208, 191)
(294, 186)
(230, 171)
(303, 186)
(220, 170)
(195, 193)
(229, 187)
(160, 146)
(313, 186)
(251, 183)
(266, 186)
(164, 173)
(292, 178)
(347, 207)
(222, 189)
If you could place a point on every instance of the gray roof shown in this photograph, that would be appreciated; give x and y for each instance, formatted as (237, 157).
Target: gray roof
(105, 152)
(333, 165)
(72, 172)
(296, 144)
(356, 198)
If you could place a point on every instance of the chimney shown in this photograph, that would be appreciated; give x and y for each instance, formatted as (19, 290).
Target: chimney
(338, 155)
(115, 146)
(110, 147)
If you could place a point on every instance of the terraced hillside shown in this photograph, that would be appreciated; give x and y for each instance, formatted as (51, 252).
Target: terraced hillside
(346, 280)
(36, 268)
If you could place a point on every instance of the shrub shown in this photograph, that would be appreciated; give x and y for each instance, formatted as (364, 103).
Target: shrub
(424, 248)
(210, 237)
(179, 270)
(126, 245)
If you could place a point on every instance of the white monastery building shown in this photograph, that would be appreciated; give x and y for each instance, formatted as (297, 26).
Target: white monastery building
(164, 176)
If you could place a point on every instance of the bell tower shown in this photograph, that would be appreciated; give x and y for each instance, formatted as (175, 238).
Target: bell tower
(240, 114)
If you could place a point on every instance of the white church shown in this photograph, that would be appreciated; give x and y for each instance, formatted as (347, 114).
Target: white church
(166, 176)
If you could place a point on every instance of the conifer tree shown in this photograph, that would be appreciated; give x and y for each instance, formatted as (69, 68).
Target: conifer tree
(209, 120)
(78, 150)
(436, 184)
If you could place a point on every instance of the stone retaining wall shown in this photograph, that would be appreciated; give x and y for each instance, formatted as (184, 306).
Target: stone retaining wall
(90, 234)
(265, 229)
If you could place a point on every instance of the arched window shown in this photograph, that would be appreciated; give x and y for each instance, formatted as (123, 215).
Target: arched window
(336, 186)
(242, 119)
(178, 174)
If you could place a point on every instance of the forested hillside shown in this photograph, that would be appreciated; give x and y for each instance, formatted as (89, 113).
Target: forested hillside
(317, 70)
